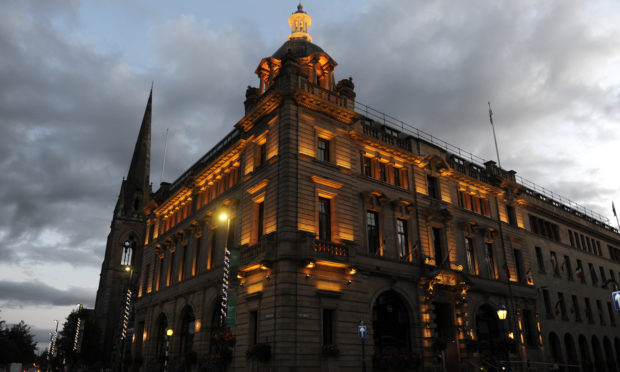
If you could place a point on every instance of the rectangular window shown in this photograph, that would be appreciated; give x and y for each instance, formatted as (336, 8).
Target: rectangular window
(612, 317)
(212, 243)
(575, 308)
(599, 308)
(328, 326)
(470, 255)
(170, 268)
(602, 271)
(567, 266)
(372, 223)
(555, 267)
(547, 301)
(572, 240)
(598, 248)
(541, 261)
(562, 305)
(589, 314)
(382, 172)
(433, 187)
(182, 262)
(577, 242)
(145, 279)
(253, 328)
(583, 243)
(261, 154)
(367, 166)
(323, 149)
(544, 228)
(402, 239)
(512, 215)
(437, 246)
(519, 265)
(396, 172)
(325, 224)
(593, 274)
(579, 272)
(157, 278)
(528, 328)
(260, 216)
(489, 258)
(589, 244)
(196, 256)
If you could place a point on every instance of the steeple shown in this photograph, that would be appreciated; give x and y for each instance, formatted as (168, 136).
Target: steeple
(299, 22)
(136, 187)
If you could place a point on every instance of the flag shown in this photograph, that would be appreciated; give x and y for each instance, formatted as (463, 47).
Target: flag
(554, 264)
(415, 251)
(579, 272)
(557, 308)
(528, 276)
(613, 208)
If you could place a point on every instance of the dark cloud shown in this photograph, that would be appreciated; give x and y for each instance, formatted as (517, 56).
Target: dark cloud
(70, 112)
(16, 294)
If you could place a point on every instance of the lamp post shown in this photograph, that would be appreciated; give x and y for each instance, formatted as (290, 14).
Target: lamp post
(169, 333)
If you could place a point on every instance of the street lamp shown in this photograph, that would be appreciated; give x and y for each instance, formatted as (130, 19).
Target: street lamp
(502, 312)
(169, 333)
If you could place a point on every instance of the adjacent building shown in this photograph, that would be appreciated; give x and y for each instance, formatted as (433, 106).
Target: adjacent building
(311, 218)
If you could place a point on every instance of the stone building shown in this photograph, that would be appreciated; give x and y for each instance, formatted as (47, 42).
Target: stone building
(311, 218)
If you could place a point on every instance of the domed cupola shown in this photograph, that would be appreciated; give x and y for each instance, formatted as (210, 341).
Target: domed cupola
(317, 65)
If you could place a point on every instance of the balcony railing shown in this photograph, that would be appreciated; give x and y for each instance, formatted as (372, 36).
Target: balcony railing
(328, 249)
(251, 253)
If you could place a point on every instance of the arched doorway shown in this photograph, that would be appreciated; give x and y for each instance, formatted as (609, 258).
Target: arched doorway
(571, 353)
(487, 326)
(555, 348)
(391, 330)
(617, 347)
(188, 329)
(599, 362)
(160, 337)
(609, 355)
(584, 350)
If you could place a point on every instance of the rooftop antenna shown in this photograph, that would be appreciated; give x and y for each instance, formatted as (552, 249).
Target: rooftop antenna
(163, 165)
(494, 137)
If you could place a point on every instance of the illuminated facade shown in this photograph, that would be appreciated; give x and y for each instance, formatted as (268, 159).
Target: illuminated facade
(334, 218)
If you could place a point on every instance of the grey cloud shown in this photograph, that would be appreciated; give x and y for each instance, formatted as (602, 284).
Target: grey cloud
(14, 294)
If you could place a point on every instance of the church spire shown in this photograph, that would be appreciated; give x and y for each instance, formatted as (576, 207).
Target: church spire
(136, 188)
(299, 22)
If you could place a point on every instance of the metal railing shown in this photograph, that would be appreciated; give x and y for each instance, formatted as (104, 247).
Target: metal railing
(536, 190)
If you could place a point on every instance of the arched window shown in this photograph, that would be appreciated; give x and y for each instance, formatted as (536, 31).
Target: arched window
(599, 362)
(160, 337)
(555, 348)
(571, 352)
(390, 324)
(609, 355)
(188, 329)
(586, 360)
(129, 247)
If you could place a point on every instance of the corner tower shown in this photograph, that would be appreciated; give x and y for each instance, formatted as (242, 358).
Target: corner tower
(123, 254)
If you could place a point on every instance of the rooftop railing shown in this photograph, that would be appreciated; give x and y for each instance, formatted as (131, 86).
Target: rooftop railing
(534, 190)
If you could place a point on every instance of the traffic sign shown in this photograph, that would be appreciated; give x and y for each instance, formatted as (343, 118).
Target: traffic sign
(361, 331)
(616, 298)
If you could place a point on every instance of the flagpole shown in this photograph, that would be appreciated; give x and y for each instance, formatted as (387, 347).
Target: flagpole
(613, 207)
(494, 137)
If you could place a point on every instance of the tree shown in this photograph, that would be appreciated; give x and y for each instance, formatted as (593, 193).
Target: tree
(16, 343)
(88, 353)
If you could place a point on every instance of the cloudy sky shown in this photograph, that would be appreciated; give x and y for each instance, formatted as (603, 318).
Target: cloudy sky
(75, 76)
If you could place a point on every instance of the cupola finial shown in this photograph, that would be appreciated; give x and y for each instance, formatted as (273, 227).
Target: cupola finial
(299, 22)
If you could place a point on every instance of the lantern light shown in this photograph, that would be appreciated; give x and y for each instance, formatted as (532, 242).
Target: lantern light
(502, 312)
(169, 332)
